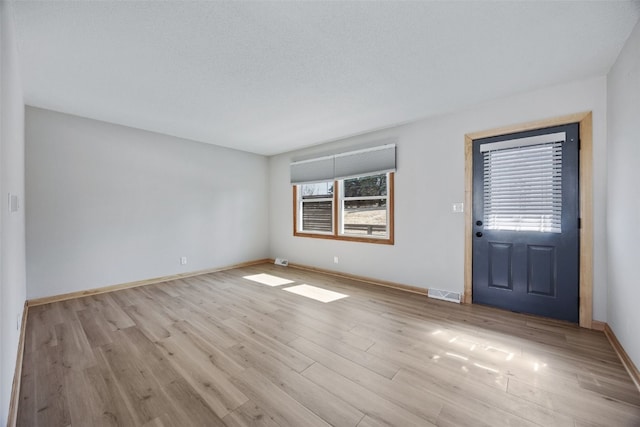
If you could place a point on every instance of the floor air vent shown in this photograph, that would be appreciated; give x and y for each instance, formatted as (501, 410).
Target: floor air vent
(444, 295)
(282, 261)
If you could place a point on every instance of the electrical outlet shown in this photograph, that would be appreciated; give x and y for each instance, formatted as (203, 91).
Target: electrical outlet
(13, 203)
(183, 260)
(335, 260)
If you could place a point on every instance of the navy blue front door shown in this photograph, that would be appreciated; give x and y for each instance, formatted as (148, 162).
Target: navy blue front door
(526, 222)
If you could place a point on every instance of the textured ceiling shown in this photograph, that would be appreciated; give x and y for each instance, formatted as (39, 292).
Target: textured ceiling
(269, 77)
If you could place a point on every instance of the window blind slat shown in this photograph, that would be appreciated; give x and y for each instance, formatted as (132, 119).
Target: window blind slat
(523, 185)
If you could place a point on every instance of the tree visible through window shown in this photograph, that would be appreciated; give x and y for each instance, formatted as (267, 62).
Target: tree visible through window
(364, 206)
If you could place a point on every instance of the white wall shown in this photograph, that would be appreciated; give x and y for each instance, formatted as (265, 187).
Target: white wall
(623, 198)
(12, 225)
(108, 204)
(429, 238)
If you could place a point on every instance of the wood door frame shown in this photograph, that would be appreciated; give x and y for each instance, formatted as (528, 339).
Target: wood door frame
(585, 120)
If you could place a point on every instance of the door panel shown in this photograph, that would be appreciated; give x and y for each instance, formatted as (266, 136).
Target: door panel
(526, 225)
(500, 265)
(541, 278)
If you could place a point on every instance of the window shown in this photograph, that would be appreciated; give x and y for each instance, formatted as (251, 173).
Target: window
(345, 196)
(316, 208)
(363, 206)
(357, 209)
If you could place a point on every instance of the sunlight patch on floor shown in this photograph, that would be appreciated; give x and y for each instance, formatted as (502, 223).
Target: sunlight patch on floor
(267, 279)
(313, 292)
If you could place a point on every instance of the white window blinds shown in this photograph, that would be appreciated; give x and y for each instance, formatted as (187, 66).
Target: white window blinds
(311, 171)
(523, 184)
(369, 161)
(366, 162)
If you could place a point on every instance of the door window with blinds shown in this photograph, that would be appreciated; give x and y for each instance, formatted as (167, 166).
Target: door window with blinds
(523, 184)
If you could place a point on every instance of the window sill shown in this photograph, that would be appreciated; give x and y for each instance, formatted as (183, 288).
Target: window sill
(377, 240)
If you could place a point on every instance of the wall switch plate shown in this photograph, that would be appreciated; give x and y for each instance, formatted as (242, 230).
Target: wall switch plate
(183, 260)
(457, 207)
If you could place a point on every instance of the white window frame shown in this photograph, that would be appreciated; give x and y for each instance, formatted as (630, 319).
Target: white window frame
(341, 210)
(301, 202)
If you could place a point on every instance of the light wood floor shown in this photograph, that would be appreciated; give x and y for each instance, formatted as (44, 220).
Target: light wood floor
(221, 350)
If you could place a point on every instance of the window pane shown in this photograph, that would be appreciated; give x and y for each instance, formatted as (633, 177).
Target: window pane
(366, 217)
(315, 191)
(374, 185)
(317, 216)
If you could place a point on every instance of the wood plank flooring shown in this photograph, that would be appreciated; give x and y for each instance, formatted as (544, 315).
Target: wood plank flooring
(219, 349)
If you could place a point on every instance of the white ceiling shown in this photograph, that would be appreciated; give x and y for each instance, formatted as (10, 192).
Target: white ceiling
(269, 77)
